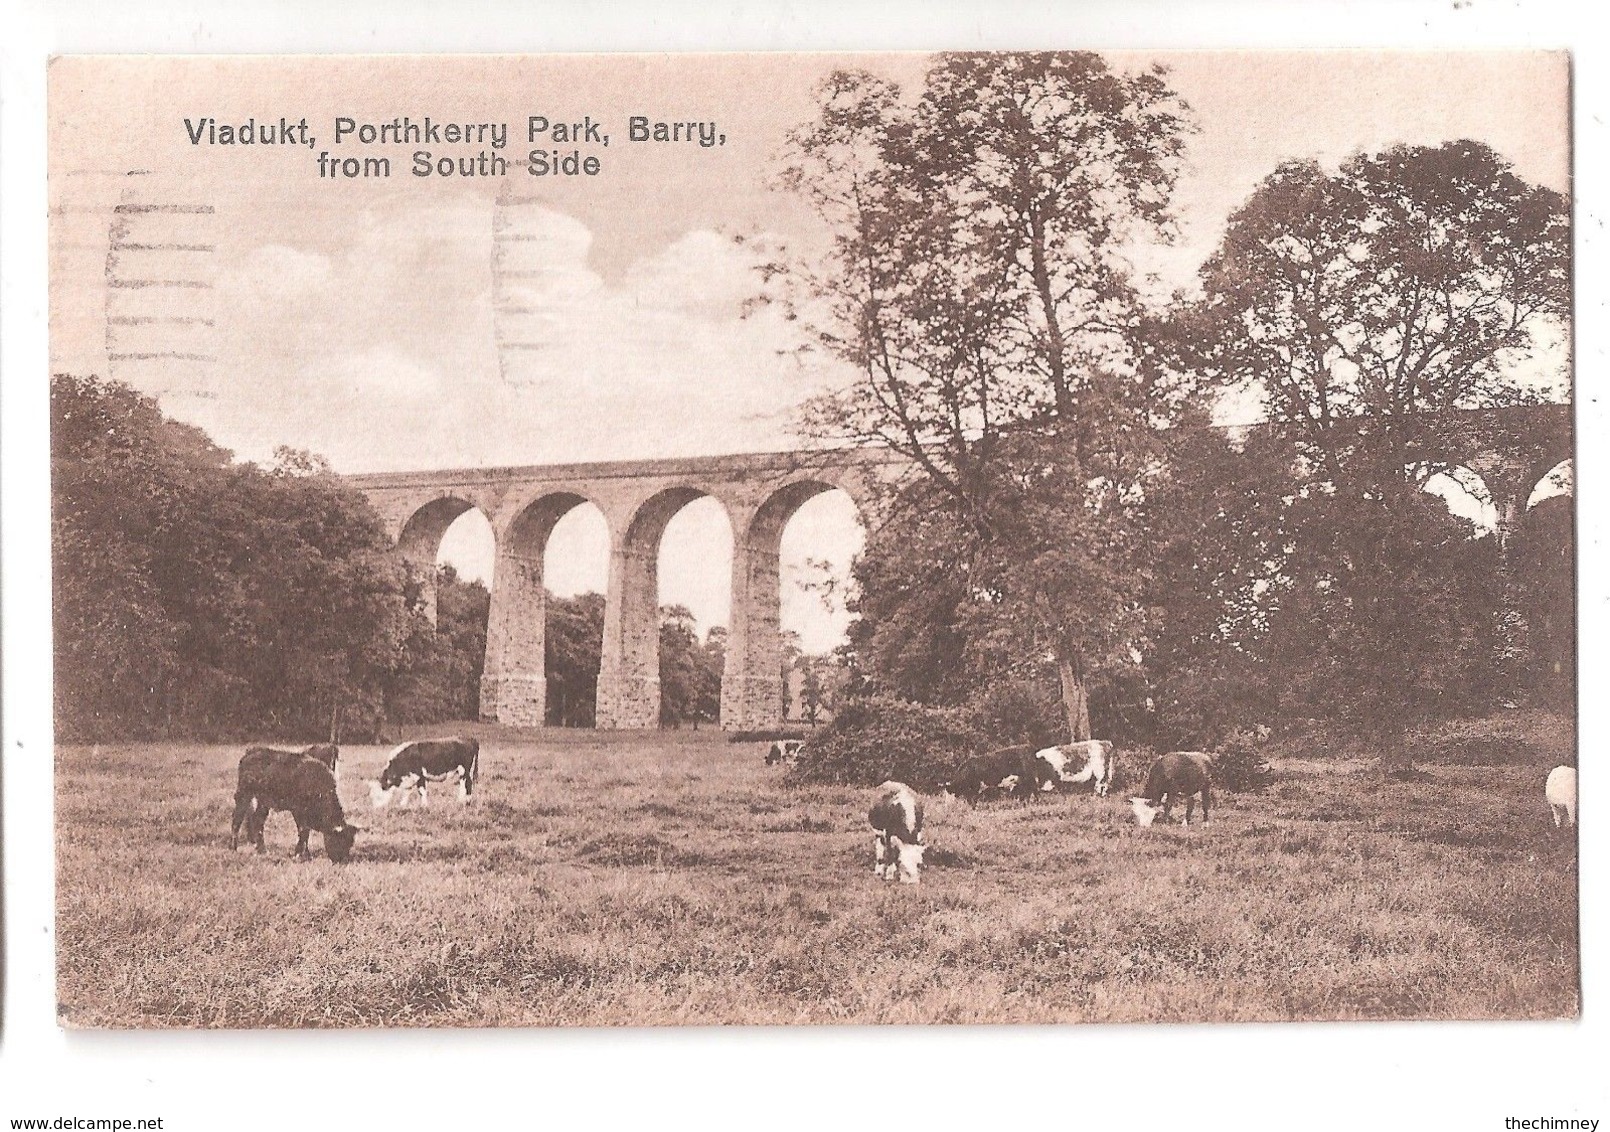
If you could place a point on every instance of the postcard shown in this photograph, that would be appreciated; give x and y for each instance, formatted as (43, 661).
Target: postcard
(676, 540)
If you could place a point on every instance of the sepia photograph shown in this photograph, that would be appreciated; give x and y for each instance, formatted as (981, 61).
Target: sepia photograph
(970, 537)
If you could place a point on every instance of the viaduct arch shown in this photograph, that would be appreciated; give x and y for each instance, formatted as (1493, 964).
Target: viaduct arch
(760, 493)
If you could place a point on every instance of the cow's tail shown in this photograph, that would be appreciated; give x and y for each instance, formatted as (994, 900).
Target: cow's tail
(475, 766)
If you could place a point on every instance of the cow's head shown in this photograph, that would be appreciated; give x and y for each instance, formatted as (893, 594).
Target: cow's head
(390, 778)
(907, 862)
(1145, 812)
(338, 842)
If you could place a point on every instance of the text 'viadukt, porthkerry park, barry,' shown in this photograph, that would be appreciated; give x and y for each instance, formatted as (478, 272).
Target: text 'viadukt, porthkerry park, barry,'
(430, 146)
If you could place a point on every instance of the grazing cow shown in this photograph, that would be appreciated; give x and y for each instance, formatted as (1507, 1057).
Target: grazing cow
(1176, 775)
(270, 780)
(784, 751)
(1010, 770)
(326, 753)
(897, 843)
(412, 765)
(1560, 790)
(1097, 759)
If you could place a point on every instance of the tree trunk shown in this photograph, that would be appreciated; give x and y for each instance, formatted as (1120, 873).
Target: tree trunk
(1075, 698)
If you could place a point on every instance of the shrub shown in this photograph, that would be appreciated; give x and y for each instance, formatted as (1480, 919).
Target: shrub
(876, 739)
(1020, 711)
(1239, 764)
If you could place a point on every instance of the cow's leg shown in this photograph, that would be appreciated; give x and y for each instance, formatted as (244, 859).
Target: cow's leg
(256, 823)
(1207, 794)
(877, 855)
(463, 785)
(424, 794)
(1190, 807)
(243, 810)
(301, 850)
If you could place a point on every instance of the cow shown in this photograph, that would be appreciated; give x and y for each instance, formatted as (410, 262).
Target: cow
(269, 780)
(897, 839)
(326, 753)
(1011, 770)
(412, 765)
(1176, 775)
(1560, 791)
(1097, 765)
(784, 751)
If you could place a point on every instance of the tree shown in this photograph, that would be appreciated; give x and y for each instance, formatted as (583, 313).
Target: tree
(978, 286)
(1368, 307)
(573, 650)
(194, 595)
(679, 665)
(439, 676)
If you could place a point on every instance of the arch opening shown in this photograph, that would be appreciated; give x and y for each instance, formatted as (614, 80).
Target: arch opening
(763, 660)
(1466, 495)
(818, 546)
(423, 538)
(1558, 480)
(694, 588)
(633, 683)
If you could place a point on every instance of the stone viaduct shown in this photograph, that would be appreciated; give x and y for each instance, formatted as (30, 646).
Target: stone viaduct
(1511, 450)
(637, 499)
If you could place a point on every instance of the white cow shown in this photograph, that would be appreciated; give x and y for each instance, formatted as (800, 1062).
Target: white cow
(1094, 758)
(1560, 790)
(897, 845)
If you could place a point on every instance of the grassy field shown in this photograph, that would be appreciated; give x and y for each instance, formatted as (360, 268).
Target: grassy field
(672, 879)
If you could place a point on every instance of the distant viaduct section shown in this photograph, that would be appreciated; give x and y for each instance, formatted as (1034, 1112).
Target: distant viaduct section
(1510, 449)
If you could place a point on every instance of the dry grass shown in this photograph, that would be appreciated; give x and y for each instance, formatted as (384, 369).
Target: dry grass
(673, 879)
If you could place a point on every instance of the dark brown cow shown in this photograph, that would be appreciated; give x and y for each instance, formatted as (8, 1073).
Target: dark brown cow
(270, 780)
(1176, 775)
(1018, 771)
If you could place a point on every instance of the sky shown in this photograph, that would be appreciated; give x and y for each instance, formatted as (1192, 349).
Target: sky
(370, 319)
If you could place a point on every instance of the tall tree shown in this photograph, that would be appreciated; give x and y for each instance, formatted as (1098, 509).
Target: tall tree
(1368, 307)
(573, 650)
(196, 595)
(978, 283)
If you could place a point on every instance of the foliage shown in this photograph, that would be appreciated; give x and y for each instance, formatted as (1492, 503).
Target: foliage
(979, 286)
(873, 740)
(573, 647)
(1013, 711)
(1240, 764)
(690, 672)
(1367, 308)
(193, 595)
(438, 677)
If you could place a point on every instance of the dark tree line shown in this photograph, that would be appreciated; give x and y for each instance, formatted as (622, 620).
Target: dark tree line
(195, 595)
(199, 596)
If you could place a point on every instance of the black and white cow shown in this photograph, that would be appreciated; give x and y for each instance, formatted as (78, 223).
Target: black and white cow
(270, 780)
(897, 841)
(1176, 775)
(784, 751)
(1018, 771)
(412, 765)
(1094, 757)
